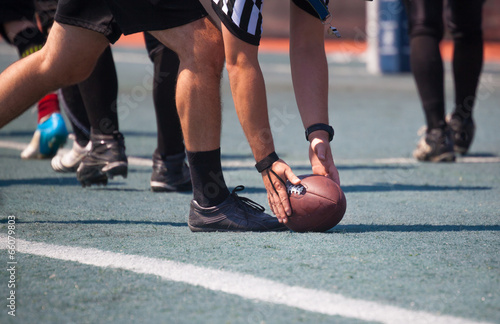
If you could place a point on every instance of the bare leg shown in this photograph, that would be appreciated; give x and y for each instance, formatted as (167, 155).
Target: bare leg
(200, 51)
(68, 57)
(201, 56)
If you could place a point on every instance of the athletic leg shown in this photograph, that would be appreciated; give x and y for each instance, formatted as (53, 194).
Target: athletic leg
(199, 47)
(166, 68)
(426, 32)
(170, 171)
(72, 104)
(107, 157)
(74, 108)
(67, 58)
(99, 93)
(465, 23)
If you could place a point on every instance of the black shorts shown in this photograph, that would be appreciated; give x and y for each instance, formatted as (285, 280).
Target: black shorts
(304, 5)
(464, 18)
(12, 10)
(114, 17)
(243, 18)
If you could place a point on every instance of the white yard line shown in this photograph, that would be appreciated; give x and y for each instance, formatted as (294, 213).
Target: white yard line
(234, 283)
(250, 163)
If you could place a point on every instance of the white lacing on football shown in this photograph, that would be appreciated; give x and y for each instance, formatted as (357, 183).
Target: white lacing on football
(297, 190)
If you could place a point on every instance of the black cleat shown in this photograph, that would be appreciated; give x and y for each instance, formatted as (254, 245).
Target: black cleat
(170, 173)
(235, 214)
(462, 132)
(435, 146)
(105, 160)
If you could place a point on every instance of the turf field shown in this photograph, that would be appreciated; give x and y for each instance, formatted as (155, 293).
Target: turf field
(419, 242)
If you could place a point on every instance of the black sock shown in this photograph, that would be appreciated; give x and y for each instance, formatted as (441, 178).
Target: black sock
(209, 187)
(99, 94)
(467, 65)
(74, 107)
(166, 66)
(28, 41)
(427, 68)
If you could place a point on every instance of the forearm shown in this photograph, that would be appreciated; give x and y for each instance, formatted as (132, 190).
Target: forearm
(309, 66)
(249, 94)
(310, 82)
(250, 101)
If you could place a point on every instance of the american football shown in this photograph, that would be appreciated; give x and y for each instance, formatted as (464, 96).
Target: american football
(318, 204)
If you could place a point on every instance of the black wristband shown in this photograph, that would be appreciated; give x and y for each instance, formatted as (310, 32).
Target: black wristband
(320, 126)
(266, 162)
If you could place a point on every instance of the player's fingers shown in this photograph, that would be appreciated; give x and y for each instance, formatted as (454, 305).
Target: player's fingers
(291, 177)
(281, 199)
(270, 201)
(285, 202)
(320, 169)
(273, 205)
(320, 150)
(279, 191)
(280, 212)
(278, 208)
(333, 173)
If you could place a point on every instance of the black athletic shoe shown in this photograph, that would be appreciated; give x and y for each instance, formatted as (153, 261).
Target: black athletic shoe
(170, 173)
(462, 132)
(235, 214)
(105, 160)
(435, 146)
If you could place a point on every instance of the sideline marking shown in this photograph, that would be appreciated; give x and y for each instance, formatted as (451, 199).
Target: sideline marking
(250, 163)
(234, 283)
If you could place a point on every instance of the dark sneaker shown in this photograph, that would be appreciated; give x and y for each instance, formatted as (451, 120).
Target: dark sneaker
(105, 160)
(435, 146)
(170, 173)
(235, 214)
(462, 132)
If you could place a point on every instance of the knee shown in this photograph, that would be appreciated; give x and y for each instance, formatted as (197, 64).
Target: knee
(240, 60)
(465, 33)
(206, 54)
(427, 28)
(216, 58)
(212, 48)
(241, 56)
(64, 72)
(73, 75)
(425, 23)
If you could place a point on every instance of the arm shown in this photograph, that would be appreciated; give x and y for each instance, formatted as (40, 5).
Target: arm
(310, 82)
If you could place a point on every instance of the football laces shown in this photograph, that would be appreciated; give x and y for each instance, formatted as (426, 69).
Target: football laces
(295, 189)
